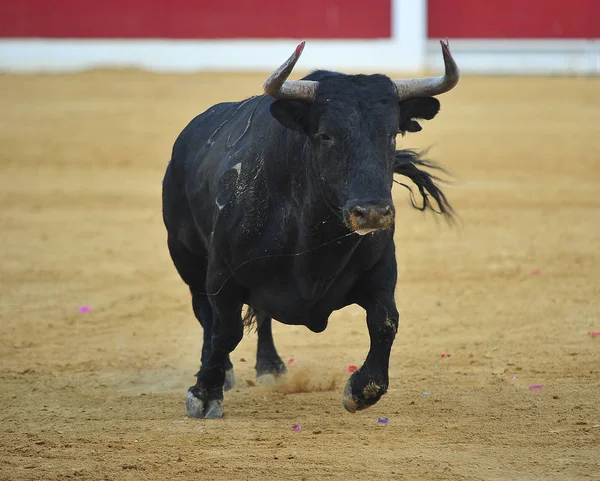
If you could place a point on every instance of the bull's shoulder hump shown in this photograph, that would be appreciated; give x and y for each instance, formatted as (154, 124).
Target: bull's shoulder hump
(211, 115)
(227, 110)
(221, 118)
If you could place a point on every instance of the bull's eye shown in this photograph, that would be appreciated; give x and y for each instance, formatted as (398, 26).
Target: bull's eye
(325, 139)
(393, 140)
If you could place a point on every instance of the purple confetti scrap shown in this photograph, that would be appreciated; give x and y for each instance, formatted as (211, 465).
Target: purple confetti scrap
(297, 427)
(382, 420)
(537, 386)
(85, 309)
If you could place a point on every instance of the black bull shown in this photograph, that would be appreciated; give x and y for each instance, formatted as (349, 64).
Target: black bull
(282, 202)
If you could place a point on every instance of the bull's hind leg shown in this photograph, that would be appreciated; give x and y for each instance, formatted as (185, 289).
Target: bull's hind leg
(269, 365)
(205, 398)
(192, 269)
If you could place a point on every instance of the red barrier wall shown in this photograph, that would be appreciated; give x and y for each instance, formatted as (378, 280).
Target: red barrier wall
(195, 19)
(527, 19)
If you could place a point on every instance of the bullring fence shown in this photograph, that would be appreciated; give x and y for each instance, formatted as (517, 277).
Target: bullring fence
(508, 37)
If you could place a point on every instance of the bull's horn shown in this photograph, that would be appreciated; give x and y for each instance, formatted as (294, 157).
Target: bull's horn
(428, 87)
(278, 87)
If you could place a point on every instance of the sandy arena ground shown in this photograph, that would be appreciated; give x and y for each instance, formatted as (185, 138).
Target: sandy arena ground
(512, 296)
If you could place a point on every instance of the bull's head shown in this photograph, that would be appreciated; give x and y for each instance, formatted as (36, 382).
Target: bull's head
(351, 122)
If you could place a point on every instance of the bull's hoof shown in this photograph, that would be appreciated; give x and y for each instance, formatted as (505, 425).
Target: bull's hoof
(269, 371)
(361, 393)
(200, 406)
(229, 380)
(194, 404)
(214, 410)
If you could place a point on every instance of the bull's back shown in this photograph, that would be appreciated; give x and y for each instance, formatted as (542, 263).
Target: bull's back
(176, 210)
(192, 144)
(198, 159)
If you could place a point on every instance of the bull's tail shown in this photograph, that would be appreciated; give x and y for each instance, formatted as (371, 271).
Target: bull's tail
(250, 318)
(407, 163)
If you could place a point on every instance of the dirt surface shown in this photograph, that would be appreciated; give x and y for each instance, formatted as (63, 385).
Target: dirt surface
(512, 296)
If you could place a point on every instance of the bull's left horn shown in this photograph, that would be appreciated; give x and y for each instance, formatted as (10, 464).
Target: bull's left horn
(428, 87)
(279, 87)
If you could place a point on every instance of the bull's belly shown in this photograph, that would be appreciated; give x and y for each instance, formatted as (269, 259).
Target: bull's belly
(287, 304)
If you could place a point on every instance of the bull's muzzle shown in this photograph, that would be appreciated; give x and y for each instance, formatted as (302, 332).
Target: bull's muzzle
(367, 217)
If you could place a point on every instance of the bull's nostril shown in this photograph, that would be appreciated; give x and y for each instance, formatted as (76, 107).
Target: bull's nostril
(359, 212)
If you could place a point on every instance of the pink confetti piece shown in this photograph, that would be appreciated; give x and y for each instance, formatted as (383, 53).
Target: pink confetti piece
(444, 354)
(352, 368)
(85, 309)
(537, 272)
(595, 334)
(292, 362)
(514, 377)
(297, 427)
(537, 386)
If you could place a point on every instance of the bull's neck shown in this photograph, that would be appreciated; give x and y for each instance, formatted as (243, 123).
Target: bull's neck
(315, 208)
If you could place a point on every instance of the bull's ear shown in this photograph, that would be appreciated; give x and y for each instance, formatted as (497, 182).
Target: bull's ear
(292, 114)
(419, 108)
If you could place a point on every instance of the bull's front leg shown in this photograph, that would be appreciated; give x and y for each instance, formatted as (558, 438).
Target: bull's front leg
(366, 385)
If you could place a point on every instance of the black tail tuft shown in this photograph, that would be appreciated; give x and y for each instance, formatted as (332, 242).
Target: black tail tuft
(407, 163)
(250, 319)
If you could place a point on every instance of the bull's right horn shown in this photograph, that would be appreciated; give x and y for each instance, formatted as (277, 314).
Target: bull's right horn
(279, 87)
